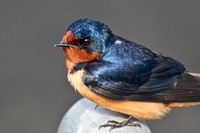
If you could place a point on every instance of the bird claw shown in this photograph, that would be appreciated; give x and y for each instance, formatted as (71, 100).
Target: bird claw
(96, 107)
(115, 124)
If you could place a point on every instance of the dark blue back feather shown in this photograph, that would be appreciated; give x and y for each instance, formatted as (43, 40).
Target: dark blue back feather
(129, 68)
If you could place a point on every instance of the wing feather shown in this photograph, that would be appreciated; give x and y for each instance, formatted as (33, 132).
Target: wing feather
(133, 72)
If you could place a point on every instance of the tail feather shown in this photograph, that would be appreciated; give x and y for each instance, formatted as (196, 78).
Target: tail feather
(186, 92)
(188, 87)
(191, 82)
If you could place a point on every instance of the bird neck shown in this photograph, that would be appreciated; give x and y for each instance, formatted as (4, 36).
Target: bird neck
(75, 56)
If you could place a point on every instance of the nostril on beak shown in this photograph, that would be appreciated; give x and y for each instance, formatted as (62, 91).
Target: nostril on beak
(67, 40)
(62, 42)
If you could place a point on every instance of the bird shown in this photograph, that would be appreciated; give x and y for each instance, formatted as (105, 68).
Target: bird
(124, 76)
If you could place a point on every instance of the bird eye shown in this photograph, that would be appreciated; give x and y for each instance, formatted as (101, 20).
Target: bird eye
(86, 41)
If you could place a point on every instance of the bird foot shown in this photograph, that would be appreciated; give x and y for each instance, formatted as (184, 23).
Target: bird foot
(96, 107)
(115, 124)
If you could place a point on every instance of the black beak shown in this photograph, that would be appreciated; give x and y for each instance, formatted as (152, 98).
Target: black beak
(63, 44)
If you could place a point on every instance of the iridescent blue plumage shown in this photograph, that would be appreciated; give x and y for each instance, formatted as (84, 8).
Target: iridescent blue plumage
(100, 33)
(127, 70)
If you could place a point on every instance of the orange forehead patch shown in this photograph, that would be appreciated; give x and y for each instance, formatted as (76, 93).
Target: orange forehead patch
(77, 56)
(69, 38)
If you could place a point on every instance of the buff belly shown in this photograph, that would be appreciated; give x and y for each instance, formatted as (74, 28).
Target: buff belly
(140, 110)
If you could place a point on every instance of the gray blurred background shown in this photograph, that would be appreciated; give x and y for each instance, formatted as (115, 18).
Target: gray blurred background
(34, 92)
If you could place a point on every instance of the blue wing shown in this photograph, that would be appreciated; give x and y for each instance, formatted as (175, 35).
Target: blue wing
(128, 70)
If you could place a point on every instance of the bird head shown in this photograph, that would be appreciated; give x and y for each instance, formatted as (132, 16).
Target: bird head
(86, 40)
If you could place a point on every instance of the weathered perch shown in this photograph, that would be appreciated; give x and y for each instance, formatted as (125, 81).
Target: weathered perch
(83, 117)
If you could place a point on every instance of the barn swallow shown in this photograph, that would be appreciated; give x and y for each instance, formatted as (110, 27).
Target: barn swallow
(124, 76)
